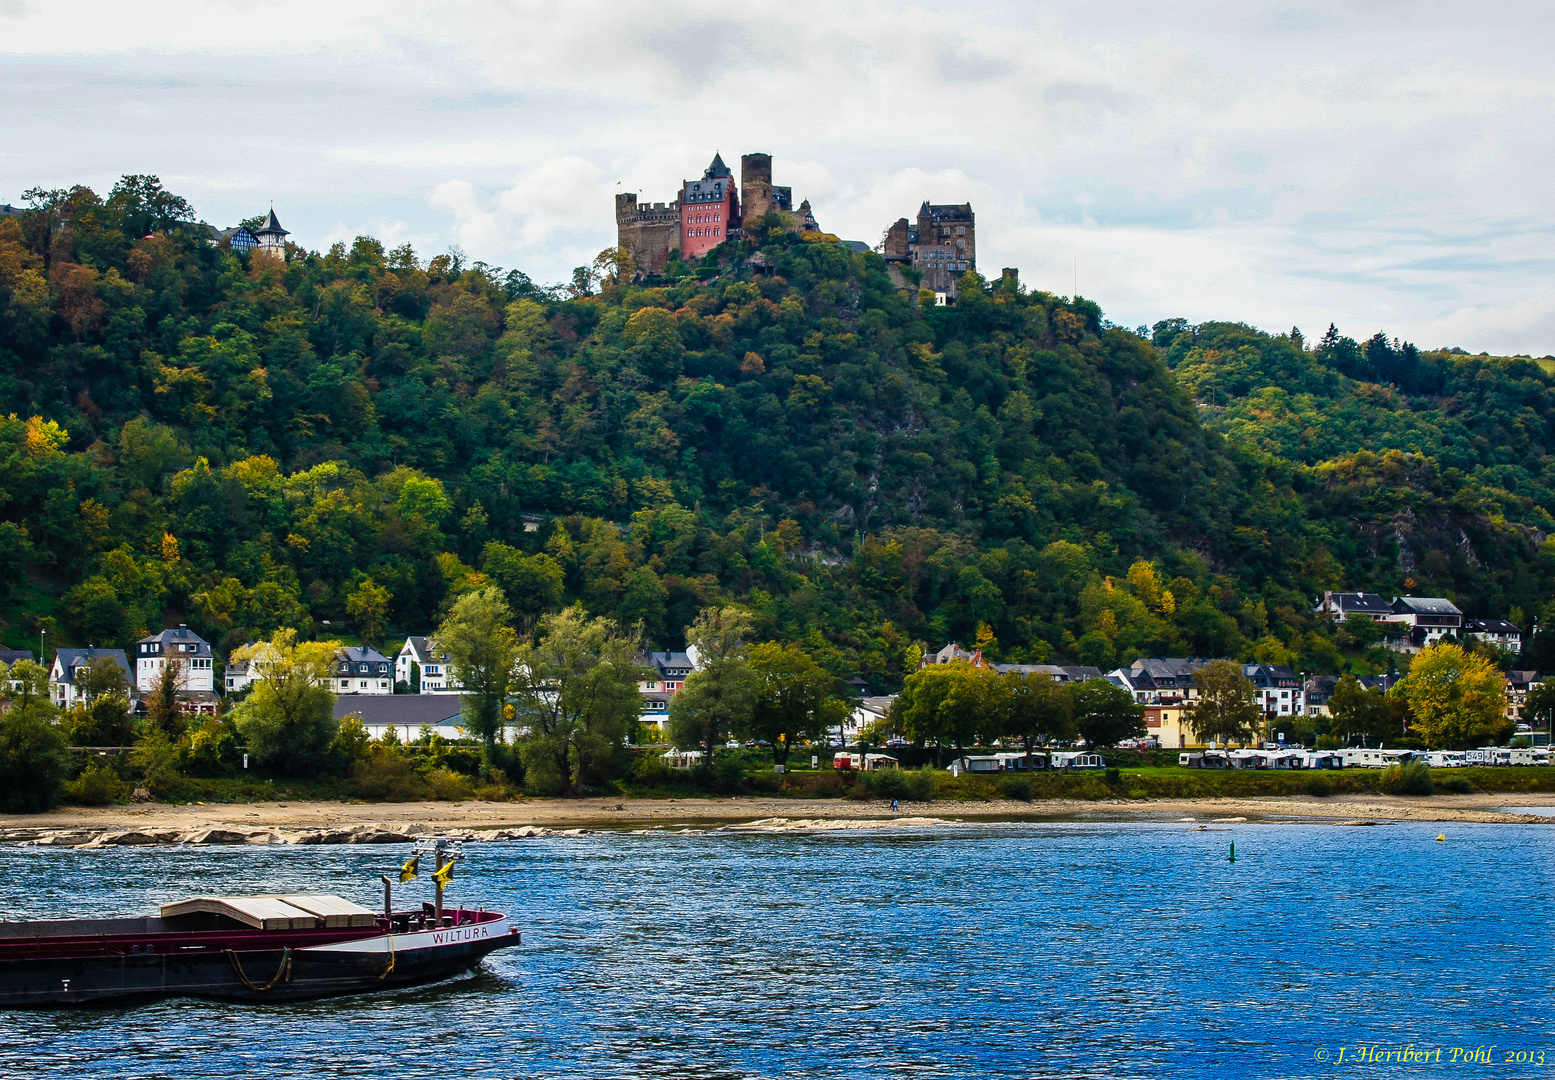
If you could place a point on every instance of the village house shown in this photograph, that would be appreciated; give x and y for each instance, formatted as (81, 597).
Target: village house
(1426, 619)
(667, 673)
(423, 668)
(361, 670)
(407, 715)
(1341, 605)
(63, 688)
(1518, 683)
(1497, 632)
(181, 647)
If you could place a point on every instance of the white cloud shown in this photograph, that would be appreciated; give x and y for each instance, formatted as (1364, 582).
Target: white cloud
(1376, 165)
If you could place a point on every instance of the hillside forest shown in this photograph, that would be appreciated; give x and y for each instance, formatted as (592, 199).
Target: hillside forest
(346, 443)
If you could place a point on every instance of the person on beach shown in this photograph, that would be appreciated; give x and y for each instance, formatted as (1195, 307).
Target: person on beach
(893, 806)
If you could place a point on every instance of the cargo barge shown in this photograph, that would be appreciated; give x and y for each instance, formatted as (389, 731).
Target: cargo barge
(280, 947)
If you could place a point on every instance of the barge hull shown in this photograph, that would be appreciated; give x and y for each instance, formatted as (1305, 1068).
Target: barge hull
(252, 975)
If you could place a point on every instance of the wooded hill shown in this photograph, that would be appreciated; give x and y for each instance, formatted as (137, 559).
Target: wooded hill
(358, 436)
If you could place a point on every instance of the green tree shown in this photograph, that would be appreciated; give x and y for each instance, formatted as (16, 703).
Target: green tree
(795, 698)
(1539, 708)
(34, 761)
(164, 708)
(945, 704)
(532, 584)
(1226, 710)
(715, 701)
(1458, 698)
(368, 606)
(1105, 712)
(1035, 707)
(1359, 713)
(482, 651)
(577, 695)
(288, 718)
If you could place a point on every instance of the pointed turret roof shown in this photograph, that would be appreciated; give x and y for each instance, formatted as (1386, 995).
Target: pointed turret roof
(272, 227)
(717, 168)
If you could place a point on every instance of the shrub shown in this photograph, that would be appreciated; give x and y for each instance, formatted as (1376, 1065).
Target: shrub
(1458, 785)
(156, 759)
(887, 783)
(444, 783)
(922, 784)
(1411, 779)
(1016, 787)
(98, 785)
(729, 773)
(651, 770)
(1113, 777)
(1319, 785)
(385, 774)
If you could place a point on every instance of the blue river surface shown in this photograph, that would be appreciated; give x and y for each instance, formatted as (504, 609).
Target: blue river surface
(1071, 949)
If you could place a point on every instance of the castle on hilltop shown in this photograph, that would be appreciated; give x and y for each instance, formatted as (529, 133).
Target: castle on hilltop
(941, 245)
(706, 213)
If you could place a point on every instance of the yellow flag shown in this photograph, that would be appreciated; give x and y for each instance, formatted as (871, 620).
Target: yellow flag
(408, 871)
(445, 875)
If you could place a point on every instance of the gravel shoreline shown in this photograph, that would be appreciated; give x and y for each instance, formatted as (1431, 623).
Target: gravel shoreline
(367, 823)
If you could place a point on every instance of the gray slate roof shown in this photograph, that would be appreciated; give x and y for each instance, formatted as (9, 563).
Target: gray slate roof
(412, 709)
(1425, 605)
(71, 658)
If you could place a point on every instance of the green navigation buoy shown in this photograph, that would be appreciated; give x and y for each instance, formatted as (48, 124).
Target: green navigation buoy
(1233, 851)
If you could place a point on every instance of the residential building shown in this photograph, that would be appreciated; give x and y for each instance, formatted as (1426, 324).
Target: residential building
(667, 673)
(1169, 726)
(182, 647)
(1426, 619)
(953, 652)
(63, 689)
(1317, 690)
(424, 668)
(1341, 605)
(1059, 673)
(1280, 692)
(1518, 683)
(866, 711)
(1160, 680)
(1497, 632)
(361, 670)
(406, 714)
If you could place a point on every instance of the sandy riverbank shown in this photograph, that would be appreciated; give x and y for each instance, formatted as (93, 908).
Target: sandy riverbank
(322, 821)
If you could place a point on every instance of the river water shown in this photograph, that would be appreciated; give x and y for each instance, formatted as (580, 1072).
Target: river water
(976, 950)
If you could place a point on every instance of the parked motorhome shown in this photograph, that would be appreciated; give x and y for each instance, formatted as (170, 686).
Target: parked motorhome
(864, 762)
(1446, 759)
(976, 763)
(1078, 760)
(1495, 755)
(1015, 761)
(1528, 755)
(1377, 759)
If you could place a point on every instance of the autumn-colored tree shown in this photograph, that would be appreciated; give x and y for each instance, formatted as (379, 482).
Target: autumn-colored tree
(1458, 698)
(368, 606)
(288, 717)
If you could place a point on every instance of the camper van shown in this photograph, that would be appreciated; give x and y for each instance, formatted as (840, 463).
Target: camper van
(1078, 760)
(1529, 755)
(1016, 761)
(1446, 759)
(866, 762)
(1376, 759)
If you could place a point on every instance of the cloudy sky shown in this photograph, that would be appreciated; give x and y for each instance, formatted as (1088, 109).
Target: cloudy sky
(1379, 165)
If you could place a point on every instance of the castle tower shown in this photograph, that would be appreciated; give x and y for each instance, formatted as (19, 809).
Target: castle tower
(272, 238)
(709, 208)
(756, 183)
